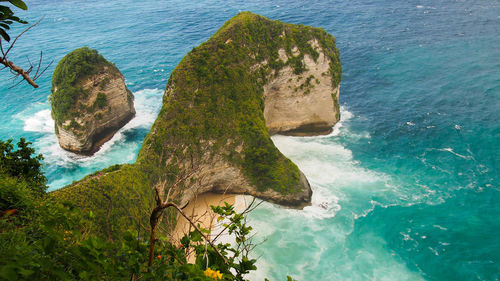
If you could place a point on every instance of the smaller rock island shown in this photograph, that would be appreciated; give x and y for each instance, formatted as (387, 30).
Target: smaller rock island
(90, 101)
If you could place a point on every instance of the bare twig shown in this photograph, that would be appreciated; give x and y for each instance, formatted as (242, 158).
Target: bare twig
(18, 71)
(17, 37)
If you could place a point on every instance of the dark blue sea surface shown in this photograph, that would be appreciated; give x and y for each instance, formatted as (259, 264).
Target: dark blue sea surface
(407, 185)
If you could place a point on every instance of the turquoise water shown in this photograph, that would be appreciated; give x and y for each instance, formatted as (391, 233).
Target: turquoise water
(407, 185)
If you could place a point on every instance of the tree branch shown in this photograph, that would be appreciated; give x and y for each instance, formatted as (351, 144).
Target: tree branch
(19, 71)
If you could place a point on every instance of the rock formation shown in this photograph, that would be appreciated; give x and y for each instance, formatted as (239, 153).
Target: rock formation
(305, 103)
(253, 78)
(90, 101)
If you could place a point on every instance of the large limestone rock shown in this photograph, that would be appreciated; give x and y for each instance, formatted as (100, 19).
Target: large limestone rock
(90, 101)
(252, 79)
(302, 104)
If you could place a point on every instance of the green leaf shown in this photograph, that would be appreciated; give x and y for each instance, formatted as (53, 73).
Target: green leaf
(14, 18)
(26, 272)
(6, 10)
(195, 236)
(19, 3)
(48, 244)
(185, 241)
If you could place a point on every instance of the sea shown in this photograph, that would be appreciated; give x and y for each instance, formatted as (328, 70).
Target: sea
(406, 187)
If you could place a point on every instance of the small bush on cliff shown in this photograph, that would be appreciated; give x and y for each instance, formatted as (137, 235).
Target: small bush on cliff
(101, 100)
(73, 68)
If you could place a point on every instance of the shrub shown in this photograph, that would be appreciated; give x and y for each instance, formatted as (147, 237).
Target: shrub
(101, 100)
(22, 163)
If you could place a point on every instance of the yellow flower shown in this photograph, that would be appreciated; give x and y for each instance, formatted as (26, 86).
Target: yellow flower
(213, 274)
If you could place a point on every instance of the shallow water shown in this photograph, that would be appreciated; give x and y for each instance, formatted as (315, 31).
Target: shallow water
(405, 188)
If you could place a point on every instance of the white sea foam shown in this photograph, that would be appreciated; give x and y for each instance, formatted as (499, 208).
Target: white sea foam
(326, 164)
(333, 173)
(434, 251)
(324, 204)
(406, 237)
(440, 227)
(450, 150)
(40, 122)
(345, 115)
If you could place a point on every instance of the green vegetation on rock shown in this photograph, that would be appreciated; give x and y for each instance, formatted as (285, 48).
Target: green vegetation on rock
(101, 100)
(71, 70)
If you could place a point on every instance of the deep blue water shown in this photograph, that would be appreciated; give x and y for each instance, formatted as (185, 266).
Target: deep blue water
(411, 173)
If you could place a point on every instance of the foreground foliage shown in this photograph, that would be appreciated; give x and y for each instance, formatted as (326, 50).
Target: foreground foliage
(7, 17)
(50, 241)
(42, 238)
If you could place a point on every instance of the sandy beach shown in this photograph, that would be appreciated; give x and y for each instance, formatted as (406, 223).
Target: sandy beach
(199, 210)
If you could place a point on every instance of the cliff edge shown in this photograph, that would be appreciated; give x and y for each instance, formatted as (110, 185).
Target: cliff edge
(90, 101)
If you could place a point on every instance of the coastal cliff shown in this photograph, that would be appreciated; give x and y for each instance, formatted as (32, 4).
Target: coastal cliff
(90, 101)
(253, 78)
(303, 104)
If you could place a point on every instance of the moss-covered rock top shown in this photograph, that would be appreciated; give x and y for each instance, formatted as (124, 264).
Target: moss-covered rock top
(90, 101)
(70, 71)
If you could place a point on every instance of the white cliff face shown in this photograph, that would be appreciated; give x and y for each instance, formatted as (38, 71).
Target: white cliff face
(221, 176)
(303, 104)
(97, 121)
